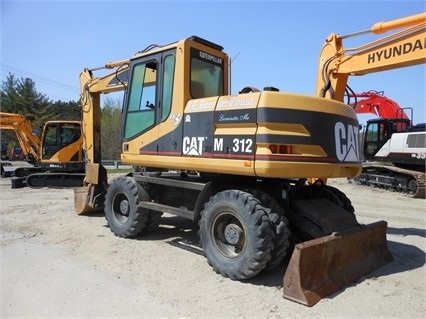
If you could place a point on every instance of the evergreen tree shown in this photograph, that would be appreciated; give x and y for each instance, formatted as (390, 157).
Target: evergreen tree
(9, 95)
(65, 110)
(20, 96)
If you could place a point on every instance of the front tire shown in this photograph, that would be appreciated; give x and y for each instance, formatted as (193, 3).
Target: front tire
(124, 217)
(236, 234)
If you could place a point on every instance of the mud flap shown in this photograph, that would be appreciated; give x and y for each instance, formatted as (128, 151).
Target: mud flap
(324, 266)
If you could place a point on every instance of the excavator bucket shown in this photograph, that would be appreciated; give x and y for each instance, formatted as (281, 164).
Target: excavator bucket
(323, 266)
(83, 199)
(89, 198)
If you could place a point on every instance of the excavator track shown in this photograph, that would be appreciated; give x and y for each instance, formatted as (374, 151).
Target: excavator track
(56, 180)
(36, 177)
(409, 182)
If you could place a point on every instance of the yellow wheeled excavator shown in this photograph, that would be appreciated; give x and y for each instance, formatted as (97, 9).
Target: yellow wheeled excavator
(250, 168)
(56, 153)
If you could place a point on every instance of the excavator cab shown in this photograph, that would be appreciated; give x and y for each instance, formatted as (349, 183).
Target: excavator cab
(61, 147)
(379, 131)
(158, 95)
(57, 135)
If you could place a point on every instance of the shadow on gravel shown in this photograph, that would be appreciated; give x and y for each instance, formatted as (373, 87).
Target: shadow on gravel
(176, 231)
(94, 215)
(405, 258)
(406, 231)
(182, 233)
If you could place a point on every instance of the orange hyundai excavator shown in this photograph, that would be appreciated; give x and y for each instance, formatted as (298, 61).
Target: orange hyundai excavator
(394, 149)
(56, 154)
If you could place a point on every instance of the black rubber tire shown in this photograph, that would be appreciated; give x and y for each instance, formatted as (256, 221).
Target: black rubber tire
(324, 191)
(280, 227)
(235, 234)
(344, 201)
(124, 217)
(315, 191)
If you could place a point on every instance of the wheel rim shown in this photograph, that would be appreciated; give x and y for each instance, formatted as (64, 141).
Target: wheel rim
(229, 236)
(121, 208)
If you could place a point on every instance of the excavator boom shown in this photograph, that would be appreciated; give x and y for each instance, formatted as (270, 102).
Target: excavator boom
(403, 48)
(373, 102)
(29, 142)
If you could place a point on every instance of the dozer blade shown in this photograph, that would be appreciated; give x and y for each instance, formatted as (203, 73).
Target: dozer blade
(323, 266)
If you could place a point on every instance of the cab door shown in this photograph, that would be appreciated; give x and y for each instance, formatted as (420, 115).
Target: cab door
(147, 103)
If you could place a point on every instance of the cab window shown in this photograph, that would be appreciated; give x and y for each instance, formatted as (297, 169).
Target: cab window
(206, 78)
(169, 68)
(141, 105)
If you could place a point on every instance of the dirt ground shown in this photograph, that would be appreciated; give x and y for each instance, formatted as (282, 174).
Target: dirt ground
(55, 263)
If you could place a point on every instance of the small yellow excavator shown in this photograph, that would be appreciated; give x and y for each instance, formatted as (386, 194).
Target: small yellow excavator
(57, 153)
(250, 168)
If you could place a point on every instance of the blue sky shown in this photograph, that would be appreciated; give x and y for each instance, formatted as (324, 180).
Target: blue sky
(272, 43)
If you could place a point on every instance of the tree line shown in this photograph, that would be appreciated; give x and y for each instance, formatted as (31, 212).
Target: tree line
(20, 96)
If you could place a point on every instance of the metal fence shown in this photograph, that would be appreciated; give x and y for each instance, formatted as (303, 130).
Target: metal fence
(115, 164)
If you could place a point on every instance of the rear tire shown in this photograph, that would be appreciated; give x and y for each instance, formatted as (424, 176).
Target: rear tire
(307, 225)
(236, 234)
(324, 191)
(342, 199)
(124, 217)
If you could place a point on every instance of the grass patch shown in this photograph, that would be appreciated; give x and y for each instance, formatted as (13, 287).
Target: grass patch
(119, 170)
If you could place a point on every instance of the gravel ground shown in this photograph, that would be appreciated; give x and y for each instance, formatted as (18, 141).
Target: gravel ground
(55, 263)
